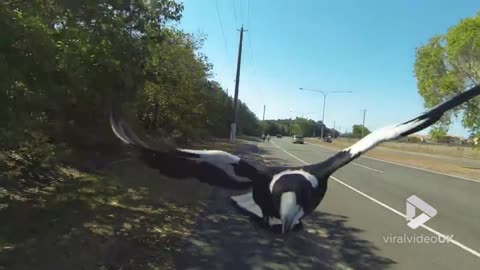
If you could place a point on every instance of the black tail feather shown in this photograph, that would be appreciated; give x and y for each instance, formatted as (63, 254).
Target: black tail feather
(124, 133)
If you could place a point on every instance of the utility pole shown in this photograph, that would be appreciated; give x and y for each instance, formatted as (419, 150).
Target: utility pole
(233, 127)
(363, 125)
(334, 129)
(263, 113)
(263, 120)
(323, 115)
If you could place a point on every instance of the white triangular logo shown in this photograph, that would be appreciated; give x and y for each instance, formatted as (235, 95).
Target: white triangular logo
(428, 212)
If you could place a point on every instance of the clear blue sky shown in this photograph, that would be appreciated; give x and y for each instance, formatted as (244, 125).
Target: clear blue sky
(367, 47)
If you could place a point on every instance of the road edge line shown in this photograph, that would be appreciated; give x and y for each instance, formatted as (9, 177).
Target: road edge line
(403, 165)
(458, 244)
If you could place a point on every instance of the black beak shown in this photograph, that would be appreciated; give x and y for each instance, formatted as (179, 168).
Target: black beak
(287, 225)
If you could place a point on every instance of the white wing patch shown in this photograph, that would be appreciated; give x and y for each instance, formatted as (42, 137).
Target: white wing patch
(381, 135)
(214, 156)
(246, 202)
(310, 178)
(220, 159)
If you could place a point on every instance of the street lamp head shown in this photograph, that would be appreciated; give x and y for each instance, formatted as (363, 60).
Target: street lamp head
(340, 92)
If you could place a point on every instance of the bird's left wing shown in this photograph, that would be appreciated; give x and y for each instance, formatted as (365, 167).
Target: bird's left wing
(217, 168)
(425, 120)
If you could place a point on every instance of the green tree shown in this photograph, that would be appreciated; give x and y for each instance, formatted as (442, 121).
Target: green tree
(301, 126)
(438, 134)
(248, 123)
(448, 64)
(65, 64)
(357, 131)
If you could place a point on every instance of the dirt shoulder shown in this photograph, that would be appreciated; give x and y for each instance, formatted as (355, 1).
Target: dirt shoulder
(448, 165)
(125, 216)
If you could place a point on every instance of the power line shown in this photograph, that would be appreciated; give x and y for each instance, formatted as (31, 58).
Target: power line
(249, 53)
(253, 62)
(221, 27)
(234, 11)
(248, 13)
(250, 46)
(241, 11)
(251, 50)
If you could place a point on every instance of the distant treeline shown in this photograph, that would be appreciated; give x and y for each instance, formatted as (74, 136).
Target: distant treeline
(298, 126)
(307, 128)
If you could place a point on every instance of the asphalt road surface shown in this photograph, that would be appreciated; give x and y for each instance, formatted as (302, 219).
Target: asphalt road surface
(360, 224)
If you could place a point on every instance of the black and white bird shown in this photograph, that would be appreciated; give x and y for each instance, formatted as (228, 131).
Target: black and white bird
(284, 194)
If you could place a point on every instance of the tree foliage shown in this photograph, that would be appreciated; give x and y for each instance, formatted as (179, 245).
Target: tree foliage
(357, 131)
(448, 64)
(438, 134)
(65, 64)
(298, 126)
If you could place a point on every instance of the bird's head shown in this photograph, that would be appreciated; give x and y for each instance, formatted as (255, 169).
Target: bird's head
(291, 193)
(290, 211)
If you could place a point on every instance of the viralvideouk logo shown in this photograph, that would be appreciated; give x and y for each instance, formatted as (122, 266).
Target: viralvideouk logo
(428, 212)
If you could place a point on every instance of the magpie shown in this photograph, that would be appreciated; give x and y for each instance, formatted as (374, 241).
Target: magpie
(283, 195)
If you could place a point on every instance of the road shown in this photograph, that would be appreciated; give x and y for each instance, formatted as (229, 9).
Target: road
(354, 226)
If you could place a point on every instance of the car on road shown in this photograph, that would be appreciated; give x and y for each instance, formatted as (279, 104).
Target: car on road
(297, 139)
(327, 139)
(279, 135)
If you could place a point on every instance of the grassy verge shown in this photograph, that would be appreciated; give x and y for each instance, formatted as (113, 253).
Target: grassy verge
(451, 165)
(441, 150)
(127, 217)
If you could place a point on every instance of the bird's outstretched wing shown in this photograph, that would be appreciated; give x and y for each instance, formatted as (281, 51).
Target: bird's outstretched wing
(217, 168)
(425, 120)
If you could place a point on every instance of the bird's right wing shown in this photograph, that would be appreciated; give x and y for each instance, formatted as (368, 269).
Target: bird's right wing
(425, 120)
(217, 168)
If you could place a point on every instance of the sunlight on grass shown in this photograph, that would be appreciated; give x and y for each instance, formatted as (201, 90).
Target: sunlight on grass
(130, 215)
(80, 215)
(100, 229)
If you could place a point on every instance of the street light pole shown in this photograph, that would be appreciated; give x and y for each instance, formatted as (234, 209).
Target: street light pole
(334, 129)
(323, 115)
(263, 120)
(324, 102)
(363, 123)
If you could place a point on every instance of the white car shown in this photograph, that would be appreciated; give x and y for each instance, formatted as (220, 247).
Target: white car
(297, 139)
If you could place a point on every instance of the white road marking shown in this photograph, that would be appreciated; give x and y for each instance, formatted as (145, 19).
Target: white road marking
(458, 244)
(426, 170)
(354, 163)
(375, 170)
(301, 160)
(403, 165)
